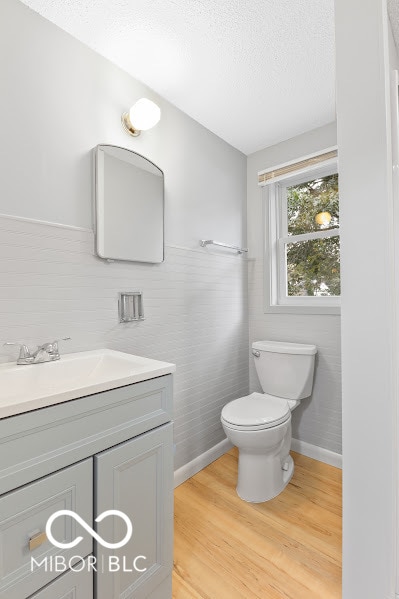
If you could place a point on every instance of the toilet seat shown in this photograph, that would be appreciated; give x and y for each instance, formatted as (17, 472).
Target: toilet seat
(257, 411)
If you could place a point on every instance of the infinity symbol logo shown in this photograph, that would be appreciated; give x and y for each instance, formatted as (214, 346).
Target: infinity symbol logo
(88, 528)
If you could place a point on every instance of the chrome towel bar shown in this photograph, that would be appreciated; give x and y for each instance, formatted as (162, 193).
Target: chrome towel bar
(205, 242)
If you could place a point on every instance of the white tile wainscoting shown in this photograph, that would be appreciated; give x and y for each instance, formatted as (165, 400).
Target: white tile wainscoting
(195, 308)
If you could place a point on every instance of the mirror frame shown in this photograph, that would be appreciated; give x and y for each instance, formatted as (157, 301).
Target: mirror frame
(96, 193)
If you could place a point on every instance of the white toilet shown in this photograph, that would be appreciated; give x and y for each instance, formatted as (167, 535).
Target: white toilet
(260, 424)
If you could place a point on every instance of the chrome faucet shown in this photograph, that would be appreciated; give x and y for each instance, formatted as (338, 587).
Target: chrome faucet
(48, 352)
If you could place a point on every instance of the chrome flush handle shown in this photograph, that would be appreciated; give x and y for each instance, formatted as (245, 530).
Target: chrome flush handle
(256, 353)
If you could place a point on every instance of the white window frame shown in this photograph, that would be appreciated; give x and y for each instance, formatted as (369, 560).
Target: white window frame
(276, 238)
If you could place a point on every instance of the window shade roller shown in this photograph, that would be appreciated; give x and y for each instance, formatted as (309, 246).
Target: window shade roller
(279, 172)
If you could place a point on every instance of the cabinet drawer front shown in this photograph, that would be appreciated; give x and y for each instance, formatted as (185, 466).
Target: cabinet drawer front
(35, 444)
(27, 557)
(71, 585)
(136, 478)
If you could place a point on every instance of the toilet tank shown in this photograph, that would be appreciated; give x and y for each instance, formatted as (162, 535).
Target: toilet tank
(285, 369)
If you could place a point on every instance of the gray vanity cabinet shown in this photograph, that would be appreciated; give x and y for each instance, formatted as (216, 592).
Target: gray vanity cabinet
(71, 585)
(134, 477)
(23, 516)
(109, 451)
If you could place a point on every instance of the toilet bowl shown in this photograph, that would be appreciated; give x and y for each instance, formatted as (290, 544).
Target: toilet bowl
(259, 424)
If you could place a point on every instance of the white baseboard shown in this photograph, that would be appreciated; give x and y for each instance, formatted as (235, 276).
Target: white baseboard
(317, 453)
(203, 460)
(215, 452)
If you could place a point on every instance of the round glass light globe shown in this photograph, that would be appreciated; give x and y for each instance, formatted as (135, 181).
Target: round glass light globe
(144, 114)
(323, 218)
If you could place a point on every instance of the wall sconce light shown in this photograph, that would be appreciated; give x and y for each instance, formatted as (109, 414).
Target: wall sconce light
(143, 115)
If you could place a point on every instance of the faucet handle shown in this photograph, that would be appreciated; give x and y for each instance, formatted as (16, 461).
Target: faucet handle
(23, 349)
(52, 347)
(55, 343)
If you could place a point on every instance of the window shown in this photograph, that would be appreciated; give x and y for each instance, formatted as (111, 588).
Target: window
(302, 256)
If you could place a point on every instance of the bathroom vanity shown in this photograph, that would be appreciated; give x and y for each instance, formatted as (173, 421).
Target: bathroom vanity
(88, 452)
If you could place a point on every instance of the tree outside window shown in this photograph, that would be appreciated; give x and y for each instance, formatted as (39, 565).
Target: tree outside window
(313, 265)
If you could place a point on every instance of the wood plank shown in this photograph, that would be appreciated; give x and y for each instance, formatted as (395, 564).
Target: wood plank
(287, 548)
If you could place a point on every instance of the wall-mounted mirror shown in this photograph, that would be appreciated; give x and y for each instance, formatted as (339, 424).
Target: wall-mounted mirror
(129, 206)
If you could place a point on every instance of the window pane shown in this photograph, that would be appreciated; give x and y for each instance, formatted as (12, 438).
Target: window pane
(313, 267)
(313, 205)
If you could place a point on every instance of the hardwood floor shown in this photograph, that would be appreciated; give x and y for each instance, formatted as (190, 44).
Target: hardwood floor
(286, 548)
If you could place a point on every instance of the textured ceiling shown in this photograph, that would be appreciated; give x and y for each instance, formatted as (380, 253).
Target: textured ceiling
(255, 72)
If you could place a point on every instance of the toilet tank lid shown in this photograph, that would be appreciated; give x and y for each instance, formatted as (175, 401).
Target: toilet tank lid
(282, 347)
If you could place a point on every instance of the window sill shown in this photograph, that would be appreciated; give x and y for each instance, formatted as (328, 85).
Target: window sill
(283, 309)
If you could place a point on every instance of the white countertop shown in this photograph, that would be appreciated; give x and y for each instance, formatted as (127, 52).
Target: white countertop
(26, 388)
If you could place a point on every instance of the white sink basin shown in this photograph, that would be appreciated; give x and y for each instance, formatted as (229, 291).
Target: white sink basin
(25, 388)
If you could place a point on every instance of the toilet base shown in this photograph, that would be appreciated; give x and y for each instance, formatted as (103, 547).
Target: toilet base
(261, 478)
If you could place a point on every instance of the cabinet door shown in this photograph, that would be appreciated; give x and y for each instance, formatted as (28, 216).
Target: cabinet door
(135, 478)
(71, 585)
(27, 557)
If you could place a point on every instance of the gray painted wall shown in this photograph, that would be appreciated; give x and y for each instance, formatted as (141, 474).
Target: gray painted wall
(62, 100)
(196, 312)
(318, 419)
(366, 132)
